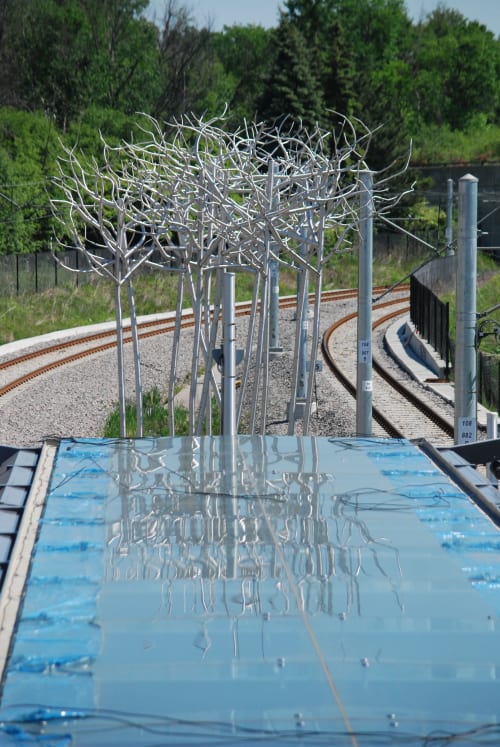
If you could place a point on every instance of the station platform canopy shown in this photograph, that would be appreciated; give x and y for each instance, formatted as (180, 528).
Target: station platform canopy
(267, 590)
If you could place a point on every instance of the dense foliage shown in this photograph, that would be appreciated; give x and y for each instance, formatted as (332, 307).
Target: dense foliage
(70, 69)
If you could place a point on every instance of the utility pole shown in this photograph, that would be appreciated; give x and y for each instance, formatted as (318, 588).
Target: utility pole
(364, 383)
(466, 352)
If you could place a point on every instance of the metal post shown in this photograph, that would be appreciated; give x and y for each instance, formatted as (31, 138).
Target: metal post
(137, 361)
(304, 325)
(275, 348)
(449, 218)
(364, 385)
(274, 331)
(304, 329)
(229, 352)
(119, 318)
(302, 381)
(465, 355)
(491, 434)
(119, 350)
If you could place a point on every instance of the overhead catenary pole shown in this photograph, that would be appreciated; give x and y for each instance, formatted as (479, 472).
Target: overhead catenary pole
(465, 337)
(364, 384)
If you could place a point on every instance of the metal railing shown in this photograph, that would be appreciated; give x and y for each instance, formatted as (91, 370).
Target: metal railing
(488, 378)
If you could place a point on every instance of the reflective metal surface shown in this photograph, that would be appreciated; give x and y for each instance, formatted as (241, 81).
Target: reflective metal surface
(292, 590)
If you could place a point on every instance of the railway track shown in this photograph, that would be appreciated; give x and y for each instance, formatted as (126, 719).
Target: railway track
(393, 413)
(399, 410)
(23, 368)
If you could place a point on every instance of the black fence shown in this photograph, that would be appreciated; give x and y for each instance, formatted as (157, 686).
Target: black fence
(488, 378)
(431, 318)
(34, 273)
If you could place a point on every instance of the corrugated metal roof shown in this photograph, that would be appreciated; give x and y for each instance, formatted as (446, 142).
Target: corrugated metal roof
(215, 590)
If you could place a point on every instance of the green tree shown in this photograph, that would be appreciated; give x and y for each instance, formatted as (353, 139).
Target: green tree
(455, 71)
(241, 65)
(45, 57)
(381, 38)
(292, 88)
(186, 69)
(124, 69)
(28, 149)
(321, 25)
(362, 53)
(61, 57)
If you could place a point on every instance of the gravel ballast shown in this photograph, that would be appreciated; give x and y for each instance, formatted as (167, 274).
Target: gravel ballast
(76, 399)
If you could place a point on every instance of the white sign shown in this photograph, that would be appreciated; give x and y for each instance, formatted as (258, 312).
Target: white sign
(467, 429)
(364, 351)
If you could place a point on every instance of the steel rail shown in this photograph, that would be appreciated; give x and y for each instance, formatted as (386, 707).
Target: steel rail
(147, 328)
(417, 402)
(414, 400)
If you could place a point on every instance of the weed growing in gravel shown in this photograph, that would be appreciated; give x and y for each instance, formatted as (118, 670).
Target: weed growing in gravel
(155, 418)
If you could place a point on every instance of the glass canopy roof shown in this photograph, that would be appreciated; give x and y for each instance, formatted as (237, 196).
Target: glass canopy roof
(257, 589)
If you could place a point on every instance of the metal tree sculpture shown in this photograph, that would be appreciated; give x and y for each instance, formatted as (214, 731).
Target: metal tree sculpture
(101, 217)
(212, 202)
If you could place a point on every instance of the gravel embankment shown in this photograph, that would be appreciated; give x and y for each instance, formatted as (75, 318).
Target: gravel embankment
(76, 399)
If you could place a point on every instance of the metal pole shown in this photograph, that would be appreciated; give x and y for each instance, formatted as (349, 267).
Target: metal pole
(492, 434)
(137, 361)
(364, 384)
(274, 331)
(119, 319)
(465, 355)
(229, 352)
(304, 324)
(449, 219)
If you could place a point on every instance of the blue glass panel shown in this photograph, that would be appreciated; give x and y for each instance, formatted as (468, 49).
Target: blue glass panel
(299, 590)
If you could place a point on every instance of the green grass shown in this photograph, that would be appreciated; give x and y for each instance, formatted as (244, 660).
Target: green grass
(65, 307)
(488, 296)
(155, 418)
(342, 270)
(479, 143)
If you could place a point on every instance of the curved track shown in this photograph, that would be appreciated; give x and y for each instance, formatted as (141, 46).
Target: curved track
(397, 408)
(393, 414)
(42, 361)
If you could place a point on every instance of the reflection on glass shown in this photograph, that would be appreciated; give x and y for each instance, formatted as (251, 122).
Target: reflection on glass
(243, 538)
